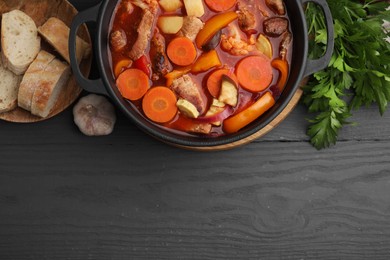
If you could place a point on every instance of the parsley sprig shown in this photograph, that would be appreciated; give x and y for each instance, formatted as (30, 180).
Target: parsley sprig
(359, 71)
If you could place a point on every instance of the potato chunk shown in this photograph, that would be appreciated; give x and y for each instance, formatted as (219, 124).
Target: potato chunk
(170, 24)
(170, 5)
(194, 7)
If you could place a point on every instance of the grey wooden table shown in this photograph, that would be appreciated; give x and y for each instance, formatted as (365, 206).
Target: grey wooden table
(128, 196)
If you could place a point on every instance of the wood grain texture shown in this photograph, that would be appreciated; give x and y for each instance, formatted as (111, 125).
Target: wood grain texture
(128, 196)
(265, 201)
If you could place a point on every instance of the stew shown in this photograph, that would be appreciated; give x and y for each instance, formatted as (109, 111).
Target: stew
(201, 67)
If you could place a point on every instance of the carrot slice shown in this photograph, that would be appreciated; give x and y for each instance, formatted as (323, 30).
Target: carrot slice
(181, 51)
(133, 84)
(159, 104)
(220, 5)
(250, 114)
(215, 79)
(121, 66)
(254, 73)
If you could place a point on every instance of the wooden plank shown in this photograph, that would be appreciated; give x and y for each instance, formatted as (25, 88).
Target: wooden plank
(371, 126)
(267, 200)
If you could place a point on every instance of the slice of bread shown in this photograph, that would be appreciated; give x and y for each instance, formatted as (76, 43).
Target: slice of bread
(56, 32)
(50, 85)
(9, 84)
(32, 79)
(19, 41)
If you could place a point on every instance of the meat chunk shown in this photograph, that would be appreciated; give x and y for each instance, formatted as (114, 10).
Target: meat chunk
(246, 19)
(185, 88)
(235, 44)
(144, 31)
(191, 27)
(152, 5)
(128, 6)
(160, 61)
(204, 128)
(118, 40)
(276, 6)
(284, 44)
(275, 26)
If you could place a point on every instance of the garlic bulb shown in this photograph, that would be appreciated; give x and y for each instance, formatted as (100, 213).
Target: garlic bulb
(94, 115)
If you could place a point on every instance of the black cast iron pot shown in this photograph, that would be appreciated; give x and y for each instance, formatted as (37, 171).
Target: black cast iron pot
(301, 67)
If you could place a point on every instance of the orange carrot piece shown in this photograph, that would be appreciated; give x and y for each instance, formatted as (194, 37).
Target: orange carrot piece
(250, 114)
(214, 81)
(206, 61)
(181, 51)
(213, 25)
(121, 66)
(220, 5)
(175, 74)
(159, 104)
(282, 67)
(254, 73)
(133, 84)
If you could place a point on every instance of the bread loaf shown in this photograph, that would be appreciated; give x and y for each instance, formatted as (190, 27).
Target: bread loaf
(56, 32)
(50, 85)
(33, 77)
(19, 41)
(9, 84)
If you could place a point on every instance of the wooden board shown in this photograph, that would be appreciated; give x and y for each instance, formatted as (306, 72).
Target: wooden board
(40, 11)
(131, 197)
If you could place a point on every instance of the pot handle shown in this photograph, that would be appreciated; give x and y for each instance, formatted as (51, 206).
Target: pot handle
(313, 66)
(93, 86)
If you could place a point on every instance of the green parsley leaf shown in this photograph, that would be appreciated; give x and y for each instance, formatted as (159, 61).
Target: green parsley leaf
(359, 71)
